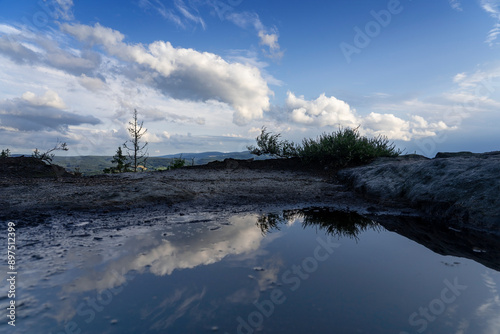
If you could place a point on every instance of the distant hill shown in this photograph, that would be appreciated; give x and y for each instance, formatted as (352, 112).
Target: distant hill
(94, 164)
(206, 157)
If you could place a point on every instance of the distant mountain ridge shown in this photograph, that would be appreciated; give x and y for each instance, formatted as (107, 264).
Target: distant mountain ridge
(206, 157)
(93, 164)
(212, 155)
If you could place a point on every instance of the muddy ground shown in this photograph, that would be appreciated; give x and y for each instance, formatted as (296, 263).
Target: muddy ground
(240, 185)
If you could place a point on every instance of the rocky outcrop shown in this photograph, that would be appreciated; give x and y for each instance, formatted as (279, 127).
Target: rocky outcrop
(461, 190)
(29, 167)
(293, 164)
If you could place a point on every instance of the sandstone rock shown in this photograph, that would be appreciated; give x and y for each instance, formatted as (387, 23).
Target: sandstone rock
(460, 189)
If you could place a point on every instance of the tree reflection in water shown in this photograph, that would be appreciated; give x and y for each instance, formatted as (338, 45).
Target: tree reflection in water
(337, 223)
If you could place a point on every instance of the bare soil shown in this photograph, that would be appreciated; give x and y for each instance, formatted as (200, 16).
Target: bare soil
(232, 183)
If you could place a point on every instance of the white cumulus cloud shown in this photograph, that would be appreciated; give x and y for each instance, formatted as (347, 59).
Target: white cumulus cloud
(186, 73)
(49, 99)
(324, 111)
(332, 112)
(396, 128)
(32, 112)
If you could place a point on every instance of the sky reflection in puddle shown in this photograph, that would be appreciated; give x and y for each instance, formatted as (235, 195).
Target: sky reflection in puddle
(297, 271)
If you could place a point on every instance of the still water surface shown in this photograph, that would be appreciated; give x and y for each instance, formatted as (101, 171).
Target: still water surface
(295, 271)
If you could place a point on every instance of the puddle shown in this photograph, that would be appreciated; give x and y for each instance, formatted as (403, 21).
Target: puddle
(315, 270)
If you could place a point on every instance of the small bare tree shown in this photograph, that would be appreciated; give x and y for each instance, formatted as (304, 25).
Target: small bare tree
(137, 150)
(48, 156)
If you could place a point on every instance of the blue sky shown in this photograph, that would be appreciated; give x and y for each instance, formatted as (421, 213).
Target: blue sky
(206, 75)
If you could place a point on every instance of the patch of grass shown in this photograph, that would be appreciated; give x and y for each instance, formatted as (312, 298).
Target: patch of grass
(345, 147)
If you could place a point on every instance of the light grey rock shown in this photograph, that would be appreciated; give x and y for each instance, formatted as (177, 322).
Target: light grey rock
(460, 189)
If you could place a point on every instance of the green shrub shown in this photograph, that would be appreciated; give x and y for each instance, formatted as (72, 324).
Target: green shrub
(345, 147)
(122, 166)
(5, 153)
(270, 144)
(177, 163)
